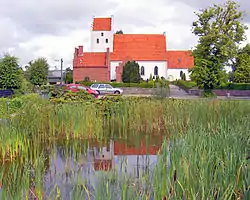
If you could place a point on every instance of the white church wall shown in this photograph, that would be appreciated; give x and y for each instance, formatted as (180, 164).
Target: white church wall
(148, 68)
(174, 74)
(103, 44)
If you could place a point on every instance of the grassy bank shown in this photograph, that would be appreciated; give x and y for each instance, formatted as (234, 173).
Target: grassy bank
(208, 151)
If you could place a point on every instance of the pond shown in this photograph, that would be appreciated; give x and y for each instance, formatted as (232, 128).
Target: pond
(81, 169)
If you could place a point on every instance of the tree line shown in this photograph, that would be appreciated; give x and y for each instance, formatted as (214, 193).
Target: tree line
(13, 76)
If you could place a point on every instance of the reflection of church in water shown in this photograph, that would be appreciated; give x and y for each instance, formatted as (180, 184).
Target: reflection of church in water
(117, 155)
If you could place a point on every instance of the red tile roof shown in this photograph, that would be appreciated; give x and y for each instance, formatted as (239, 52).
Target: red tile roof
(146, 47)
(102, 24)
(92, 59)
(180, 59)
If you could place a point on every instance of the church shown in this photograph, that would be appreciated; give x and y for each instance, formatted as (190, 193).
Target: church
(110, 51)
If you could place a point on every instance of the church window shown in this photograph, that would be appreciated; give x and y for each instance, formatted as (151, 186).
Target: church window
(142, 71)
(181, 74)
(156, 71)
(107, 40)
(97, 41)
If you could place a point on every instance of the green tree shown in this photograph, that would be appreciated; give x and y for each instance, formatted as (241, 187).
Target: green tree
(11, 75)
(68, 78)
(38, 71)
(119, 32)
(220, 33)
(241, 71)
(131, 72)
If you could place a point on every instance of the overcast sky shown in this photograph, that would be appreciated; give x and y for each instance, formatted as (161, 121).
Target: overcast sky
(52, 28)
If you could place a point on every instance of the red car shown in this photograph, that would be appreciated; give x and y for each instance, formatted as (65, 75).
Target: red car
(79, 87)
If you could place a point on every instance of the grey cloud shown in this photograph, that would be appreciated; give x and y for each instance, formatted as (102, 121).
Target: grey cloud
(52, 17)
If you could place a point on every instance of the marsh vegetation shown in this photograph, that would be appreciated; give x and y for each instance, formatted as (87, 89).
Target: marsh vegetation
(124, 148)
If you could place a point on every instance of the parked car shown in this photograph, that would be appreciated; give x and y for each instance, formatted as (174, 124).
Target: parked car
(79, 87)
(106, 89)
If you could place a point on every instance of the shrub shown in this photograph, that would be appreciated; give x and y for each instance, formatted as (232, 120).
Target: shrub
(185, 85)
(62, 96)
(235, 86)
(162, 90)
(130, 73)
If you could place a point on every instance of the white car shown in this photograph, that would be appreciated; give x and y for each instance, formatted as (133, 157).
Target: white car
(106, 89)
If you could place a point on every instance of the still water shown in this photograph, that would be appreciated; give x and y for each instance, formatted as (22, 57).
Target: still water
(72, 164)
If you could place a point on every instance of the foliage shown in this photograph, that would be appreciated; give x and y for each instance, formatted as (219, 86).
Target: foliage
(220, 33)
(151, 77)
(38, 71)
(162, 90)
(204, 154)
(11, 75)
(68, 78)
(119, 32)
(241, 71)
(185, 85)
(131, 72)
(86, 79)
(235, 86)
(208, 94)
(183, 77)
(58, 95)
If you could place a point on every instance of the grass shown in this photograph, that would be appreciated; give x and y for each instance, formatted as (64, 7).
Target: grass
(204, 155)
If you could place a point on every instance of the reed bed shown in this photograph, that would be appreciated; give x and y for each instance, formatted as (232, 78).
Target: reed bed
(205, 154)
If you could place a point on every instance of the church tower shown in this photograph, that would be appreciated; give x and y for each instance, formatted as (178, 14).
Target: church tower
(102, 34)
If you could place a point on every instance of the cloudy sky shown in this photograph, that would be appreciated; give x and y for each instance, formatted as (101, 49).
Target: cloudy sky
(52, 28)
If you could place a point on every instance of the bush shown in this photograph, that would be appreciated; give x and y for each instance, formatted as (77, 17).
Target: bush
(235, 86)
(131, 72)
(185, 85)
(162, 90)
(58, 95)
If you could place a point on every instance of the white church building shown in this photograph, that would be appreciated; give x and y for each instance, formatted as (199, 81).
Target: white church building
(110, 51)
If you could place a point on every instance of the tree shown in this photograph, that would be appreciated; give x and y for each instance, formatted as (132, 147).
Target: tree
(68, 78)
(220, 33)
(38, 71)
(11, 75)
(241, 71)
(131, 72)
(119, 32)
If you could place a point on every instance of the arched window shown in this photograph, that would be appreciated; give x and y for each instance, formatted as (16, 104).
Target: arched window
(156, 71)
(142, 71)
(101, 34)
(181, 74)
(107, 40)
(97, 40)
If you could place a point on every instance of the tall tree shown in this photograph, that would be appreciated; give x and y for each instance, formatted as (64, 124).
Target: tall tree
(220, 33)
(38, 71)
(241, 71)
(11, 75)
(68, 78)
(131, 72)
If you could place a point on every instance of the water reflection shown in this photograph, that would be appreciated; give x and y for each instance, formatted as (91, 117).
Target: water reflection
(81, 166)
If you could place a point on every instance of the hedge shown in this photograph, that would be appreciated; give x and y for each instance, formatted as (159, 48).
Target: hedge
(235, 86)
(185, 85)
(150, 84)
